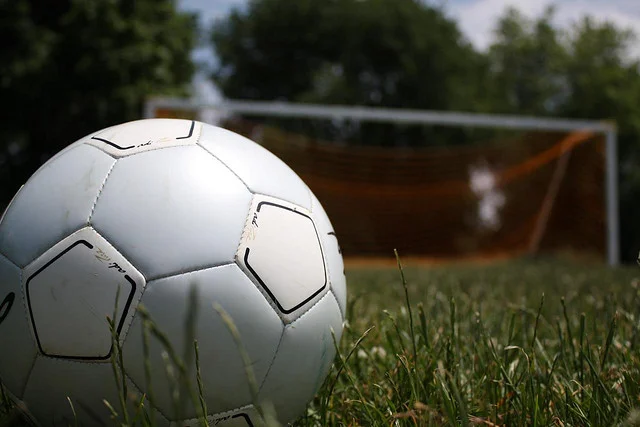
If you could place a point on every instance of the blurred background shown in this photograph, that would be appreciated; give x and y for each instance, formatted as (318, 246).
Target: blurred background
(434, 192)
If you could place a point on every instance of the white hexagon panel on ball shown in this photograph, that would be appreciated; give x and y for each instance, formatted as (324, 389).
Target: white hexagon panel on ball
(260, 170)
(281, 252)
(71, 290)
(168, 301)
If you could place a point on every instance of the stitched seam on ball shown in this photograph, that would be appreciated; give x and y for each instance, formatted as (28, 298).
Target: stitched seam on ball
(89, 144)
(190, 271)
(150, 149)
(95, 202)
(126, 326)
(147, 281)
(25, 312)
(273, 305)
(13, 263)
(245, 229)
(342, 314)
(273, 360)
(263, 293)
(330, 282)
(135, 313)
(310, 308)
(162, 414)
(225, 165)
(248, 274)
(200, 125)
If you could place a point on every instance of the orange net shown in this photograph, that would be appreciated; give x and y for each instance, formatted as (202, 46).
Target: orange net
(537, 192)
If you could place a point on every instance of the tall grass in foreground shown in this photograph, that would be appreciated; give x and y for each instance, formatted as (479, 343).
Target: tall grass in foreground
(520, 343)
(542, 342)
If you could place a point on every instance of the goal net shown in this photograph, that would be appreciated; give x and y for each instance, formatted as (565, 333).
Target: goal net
(503, 193)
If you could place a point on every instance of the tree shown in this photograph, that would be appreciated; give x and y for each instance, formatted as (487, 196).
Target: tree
(604, 83)
(528, 62)
(71, 67)
(393, 53)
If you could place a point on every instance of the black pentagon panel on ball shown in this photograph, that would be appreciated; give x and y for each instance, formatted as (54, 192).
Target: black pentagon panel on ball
(280, 250)
(73, 289)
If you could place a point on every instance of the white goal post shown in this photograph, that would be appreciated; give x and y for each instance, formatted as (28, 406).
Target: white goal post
(446, 118)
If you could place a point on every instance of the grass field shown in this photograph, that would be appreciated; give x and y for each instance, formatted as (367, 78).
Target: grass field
(520, 343)
(544, 342)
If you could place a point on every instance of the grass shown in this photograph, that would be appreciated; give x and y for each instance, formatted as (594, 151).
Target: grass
(526, 342)
(520, 343)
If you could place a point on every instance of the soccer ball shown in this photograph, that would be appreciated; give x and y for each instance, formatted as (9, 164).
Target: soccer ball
(149, 213)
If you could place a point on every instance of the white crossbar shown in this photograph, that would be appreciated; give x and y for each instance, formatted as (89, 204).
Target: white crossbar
(447, 118)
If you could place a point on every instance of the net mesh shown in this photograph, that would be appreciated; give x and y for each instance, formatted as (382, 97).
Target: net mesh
(526, 194)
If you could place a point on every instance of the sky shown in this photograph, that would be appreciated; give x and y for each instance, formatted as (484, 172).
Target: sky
(476, 18)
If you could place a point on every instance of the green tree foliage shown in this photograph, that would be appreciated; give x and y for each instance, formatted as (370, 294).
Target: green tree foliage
(528, 61)
(70, 67)
(605, 84)
(393, 53)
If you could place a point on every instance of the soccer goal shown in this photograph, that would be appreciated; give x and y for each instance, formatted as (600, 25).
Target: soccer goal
(535, 185)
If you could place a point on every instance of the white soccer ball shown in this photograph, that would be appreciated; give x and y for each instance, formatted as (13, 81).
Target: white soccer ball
(144, 212)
